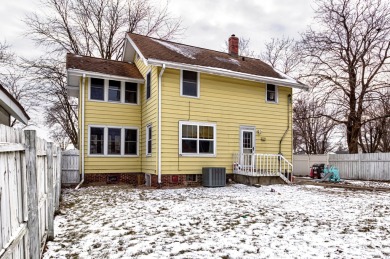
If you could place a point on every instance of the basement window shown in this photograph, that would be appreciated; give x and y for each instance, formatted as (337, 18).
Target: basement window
(272, 93)
(189, 84)
(197, 139)
(191, 178)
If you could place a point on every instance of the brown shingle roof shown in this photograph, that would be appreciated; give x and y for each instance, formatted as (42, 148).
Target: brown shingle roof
(104, 66)
(180, 53)
(2, 89)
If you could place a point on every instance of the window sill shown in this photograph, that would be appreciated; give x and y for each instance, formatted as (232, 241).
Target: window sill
(198, 155)
(112, 102)
(190, 96)
(124, 156)
(269, 102)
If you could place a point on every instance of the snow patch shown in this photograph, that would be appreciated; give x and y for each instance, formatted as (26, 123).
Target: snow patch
(229, 60)
(186, 51)
(236, 221)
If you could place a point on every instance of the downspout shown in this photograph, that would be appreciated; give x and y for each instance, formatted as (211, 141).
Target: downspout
(288, 123)
(82, 131)
(159, 124)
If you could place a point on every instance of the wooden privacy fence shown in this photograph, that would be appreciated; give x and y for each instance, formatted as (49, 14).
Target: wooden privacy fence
(70, 167)
(370, 166)
(302, 163)
(30, 186)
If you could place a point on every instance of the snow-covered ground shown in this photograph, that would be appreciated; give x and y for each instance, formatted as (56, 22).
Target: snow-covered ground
(231, 222)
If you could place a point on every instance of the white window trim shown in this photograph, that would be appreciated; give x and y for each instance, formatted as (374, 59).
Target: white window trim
(276, 94)
(214, 125)
(147, 140)
(146, 85)
(197, 85)
(105, 138)
(122, 90)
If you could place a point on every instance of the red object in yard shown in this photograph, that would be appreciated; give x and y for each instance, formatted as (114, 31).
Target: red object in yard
(311, 172)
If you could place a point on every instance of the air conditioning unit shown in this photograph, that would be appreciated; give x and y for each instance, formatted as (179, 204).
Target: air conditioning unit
(214, 176)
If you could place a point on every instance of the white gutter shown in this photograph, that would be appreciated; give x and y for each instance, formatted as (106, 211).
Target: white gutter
(229, 73)
(82, 132)
(159, 123)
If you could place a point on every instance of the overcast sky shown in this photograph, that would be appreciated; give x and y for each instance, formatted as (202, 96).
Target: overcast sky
(209, 22)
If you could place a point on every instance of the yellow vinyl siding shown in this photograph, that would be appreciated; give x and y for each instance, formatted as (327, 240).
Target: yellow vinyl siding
(149, 116)
(110, 114)
(229, 103)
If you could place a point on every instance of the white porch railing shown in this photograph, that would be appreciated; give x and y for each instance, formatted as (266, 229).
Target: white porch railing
(262, 165)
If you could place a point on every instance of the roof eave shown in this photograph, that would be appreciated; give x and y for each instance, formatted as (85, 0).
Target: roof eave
(229, 73)
(13, 109)
(79, 72)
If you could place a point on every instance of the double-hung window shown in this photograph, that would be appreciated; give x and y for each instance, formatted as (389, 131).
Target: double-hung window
(114, 91)
(97, 89)
(272, 93)
(113, 141)
(131, 94)
(189, 83)
(197, 138)
(96, 145)
(148, 85)
(149, 137)
(131, 136)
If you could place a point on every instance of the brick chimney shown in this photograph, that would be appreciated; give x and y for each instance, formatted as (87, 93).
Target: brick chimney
(233, 46)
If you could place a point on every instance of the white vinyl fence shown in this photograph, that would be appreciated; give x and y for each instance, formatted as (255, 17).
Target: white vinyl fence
(70, 167)
(370, 166)
(302, 163)
(30, 185)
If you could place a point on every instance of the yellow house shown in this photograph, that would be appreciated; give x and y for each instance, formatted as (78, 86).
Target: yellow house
(168, 110)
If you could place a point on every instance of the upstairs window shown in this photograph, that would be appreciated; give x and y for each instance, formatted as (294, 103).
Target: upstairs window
(197, 138)
(131, 94)
(114, 91)
(148, 85)
(272, 93)
(189, 84)
(97, 89)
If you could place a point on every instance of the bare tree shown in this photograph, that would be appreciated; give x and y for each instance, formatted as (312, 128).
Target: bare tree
(244, 48)
(87, 27)
(349, 54)
(6, 55)
(62, 111)
(282, 54)
(98, 27)
(312, 134)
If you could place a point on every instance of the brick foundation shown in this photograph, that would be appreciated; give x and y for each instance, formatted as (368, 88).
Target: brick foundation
(138, 179)
(115, 178)
(175, 180)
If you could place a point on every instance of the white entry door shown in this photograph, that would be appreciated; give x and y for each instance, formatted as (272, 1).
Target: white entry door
(247, 145)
